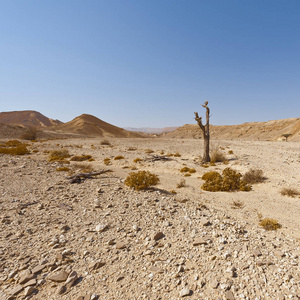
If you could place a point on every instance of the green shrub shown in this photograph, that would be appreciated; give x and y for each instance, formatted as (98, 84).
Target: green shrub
(269, 224)
(230, 180)
(141, 180)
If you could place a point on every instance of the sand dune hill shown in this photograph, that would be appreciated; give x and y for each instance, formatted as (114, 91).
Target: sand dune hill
(271, 130)
(28, 118)
(89, 125)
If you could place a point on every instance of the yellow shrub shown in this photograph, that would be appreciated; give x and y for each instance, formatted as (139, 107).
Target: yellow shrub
(269, 224)
(141, 180)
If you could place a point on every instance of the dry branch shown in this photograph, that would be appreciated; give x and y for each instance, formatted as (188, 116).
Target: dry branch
(77, 178)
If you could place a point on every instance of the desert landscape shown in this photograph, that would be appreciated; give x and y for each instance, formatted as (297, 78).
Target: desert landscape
(94, 237)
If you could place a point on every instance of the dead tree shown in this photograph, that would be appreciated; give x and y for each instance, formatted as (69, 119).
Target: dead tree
(205, 131)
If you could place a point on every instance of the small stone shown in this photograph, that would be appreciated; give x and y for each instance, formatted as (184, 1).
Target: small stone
(199, 241)
(256, 252)
(155, 269)
(185, 292)
(204, 221)
(120, 245)
(111, 242)
(30, 283)
(59, 277)
(23, 279)
(157, 236)
(229, 295)
(97, 203)
(16, 290)
(97, 265)
(101, 227)
(38, 269)
(29, 290)
(72, 278)
(214, 283)
(61, 290)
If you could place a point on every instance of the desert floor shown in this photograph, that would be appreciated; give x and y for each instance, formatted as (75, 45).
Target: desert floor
(144, 242)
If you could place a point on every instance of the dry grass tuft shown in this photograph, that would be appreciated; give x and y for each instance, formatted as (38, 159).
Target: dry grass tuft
(63, 169)
(181, 184)
(149, 151)
(216, 155)
(81, 158)
(141, 180)
(58, 155)
(189, 170)
(290, 192)
(269, 224)
(105, 143)
(107, 161)
(253, 176)
(237, 204)
(83, 168)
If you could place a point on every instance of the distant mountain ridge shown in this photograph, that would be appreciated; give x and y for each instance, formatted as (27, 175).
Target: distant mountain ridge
(271, 130)
(151, 130)
(28, 118)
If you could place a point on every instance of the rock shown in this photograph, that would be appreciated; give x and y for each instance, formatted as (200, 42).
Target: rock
(157, 236)
(155, 269)
(97, 265)
(256, 252)
(120, 245)
(97, 203)
(61, 290)
(102, 227)
(229, 295)
(16, 290)
(204, 221)
(214, 283)
(26, 277)
(38, 269)
(30, 283)
(29, 290)
(72, 278)
(199, 241)
(59, 277)
(185, 292)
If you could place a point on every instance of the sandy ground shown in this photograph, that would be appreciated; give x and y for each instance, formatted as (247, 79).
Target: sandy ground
(56, 242)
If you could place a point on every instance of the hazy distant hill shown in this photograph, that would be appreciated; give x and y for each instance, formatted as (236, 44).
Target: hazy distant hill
(28, 118)
(271, 130)
(151, 130)
(89, 125)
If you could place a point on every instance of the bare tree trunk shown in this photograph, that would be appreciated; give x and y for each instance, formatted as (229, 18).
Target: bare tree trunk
(205, 131)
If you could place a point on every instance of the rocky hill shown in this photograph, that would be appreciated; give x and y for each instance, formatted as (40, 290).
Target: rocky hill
(27, 118)
(271, 130)
(89, 125)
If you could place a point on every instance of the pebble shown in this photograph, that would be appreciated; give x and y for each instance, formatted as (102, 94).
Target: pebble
(59, 276)
(185, 292)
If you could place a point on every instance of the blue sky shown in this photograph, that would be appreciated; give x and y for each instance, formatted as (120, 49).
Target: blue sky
(151, 63)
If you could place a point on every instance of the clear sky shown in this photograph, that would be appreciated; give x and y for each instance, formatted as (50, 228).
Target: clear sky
(151, 63)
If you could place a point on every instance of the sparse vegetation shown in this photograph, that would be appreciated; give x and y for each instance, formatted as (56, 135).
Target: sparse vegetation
(290, 192)
(187, 170)
(81, 158)
(119, 157)
(63, 169)
(269, 224)
(187, 175)
(132, 149)
(230, 152)
(105, 143)
(137, 160)
(230, 180)
(83, 167)
(58, 155)
(141, 180)
(217, 155)
(181, 184)
(174, 154)
(107, 161)
(253, 176)
(237, 204)
(173, 192)
(149, 151)
(30, 134)
(14, 147)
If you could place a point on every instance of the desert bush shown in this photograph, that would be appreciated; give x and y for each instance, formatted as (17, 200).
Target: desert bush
(141, 180)
(237, 204)
(253, 176)
(149, 151)
(119, 157)
(14, 147)
(137, 160)
(132, 149)
(269, 224)
(105, 142)
(57, 155)
(62, 169)
(230, 152)
(173, 192)
(174, 154)
(81, 158)
(107, 161)
(184, 169)
(83, 167)
(181, 184)
(187, 175)
(30, 134)
(290, 192)
(230, 180)
(216, 155)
